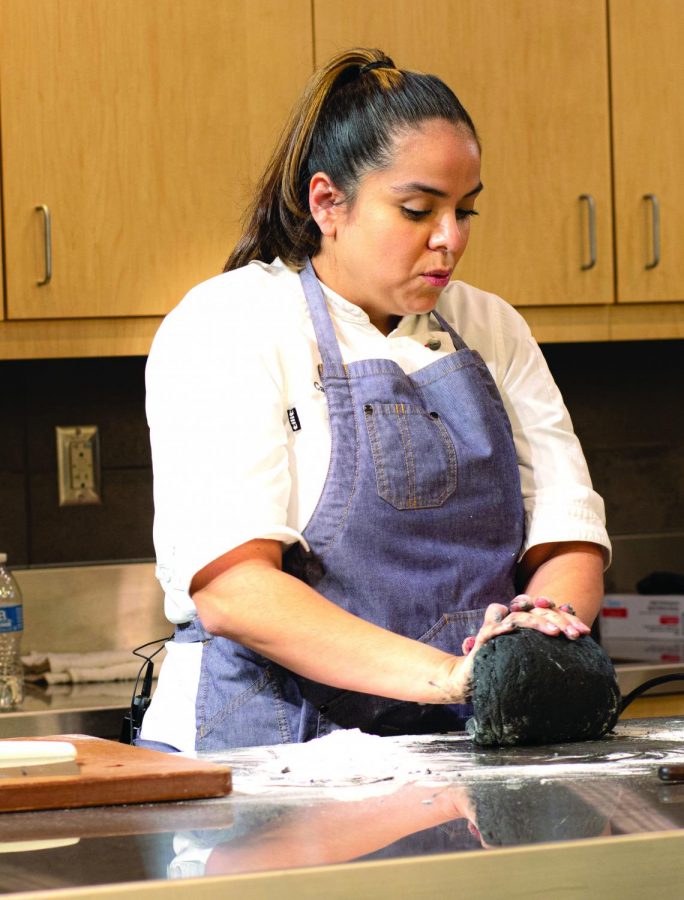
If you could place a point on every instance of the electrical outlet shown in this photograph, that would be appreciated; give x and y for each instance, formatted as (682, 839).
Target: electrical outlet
(78, 464)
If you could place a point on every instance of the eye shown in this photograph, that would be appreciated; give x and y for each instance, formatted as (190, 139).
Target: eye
(466, 213)
(414, 214)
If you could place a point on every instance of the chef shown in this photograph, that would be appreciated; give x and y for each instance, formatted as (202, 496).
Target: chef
(359, 463)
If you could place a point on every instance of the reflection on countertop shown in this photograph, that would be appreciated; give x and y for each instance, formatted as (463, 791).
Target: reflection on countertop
(368, 800)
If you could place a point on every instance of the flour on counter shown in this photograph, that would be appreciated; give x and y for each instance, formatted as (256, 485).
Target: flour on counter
(344, 758)
(354, 764)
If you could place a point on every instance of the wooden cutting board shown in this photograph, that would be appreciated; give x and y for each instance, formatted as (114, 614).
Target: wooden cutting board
(111, 774)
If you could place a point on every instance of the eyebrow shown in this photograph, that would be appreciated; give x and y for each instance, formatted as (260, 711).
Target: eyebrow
(413, 187)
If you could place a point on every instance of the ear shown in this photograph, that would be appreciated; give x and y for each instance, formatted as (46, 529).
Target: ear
(323, 200)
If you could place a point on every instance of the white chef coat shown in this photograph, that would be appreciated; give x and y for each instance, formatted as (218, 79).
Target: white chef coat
(226, 368)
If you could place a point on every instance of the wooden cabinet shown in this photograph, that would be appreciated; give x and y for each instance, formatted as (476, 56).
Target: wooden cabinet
(534, 77)
(141, 127)
(559, 117)
(647, 68)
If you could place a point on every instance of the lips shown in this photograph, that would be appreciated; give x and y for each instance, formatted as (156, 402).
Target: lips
(438, 277)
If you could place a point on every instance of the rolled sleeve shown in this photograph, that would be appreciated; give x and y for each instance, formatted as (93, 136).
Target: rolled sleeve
(219, 448)
(559, 500)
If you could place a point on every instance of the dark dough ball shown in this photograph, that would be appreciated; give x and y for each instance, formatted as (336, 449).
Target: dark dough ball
(529, 688)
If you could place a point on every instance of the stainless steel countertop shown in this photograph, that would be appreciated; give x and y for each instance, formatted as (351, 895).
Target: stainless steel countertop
(451, 798)
(95, 709)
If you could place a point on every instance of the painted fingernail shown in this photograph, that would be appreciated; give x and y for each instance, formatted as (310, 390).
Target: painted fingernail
(468, 644)
(544, 603)
(568, 608)
(521, 605)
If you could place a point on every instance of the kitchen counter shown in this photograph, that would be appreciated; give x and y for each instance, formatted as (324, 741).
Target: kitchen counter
(95, 709)
(358, 816)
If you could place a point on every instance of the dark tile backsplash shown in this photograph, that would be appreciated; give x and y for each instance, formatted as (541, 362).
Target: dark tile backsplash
(109, 393)
(626, 401)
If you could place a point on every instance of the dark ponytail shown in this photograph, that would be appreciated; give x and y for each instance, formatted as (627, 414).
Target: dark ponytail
(344, 125)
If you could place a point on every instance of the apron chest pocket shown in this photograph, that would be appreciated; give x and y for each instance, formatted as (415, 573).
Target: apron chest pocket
(413, 454)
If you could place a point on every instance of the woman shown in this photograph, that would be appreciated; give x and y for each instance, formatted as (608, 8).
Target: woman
(346, 495)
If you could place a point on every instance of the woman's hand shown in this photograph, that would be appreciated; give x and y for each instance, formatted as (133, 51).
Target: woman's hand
(539, 613)
(544, 615)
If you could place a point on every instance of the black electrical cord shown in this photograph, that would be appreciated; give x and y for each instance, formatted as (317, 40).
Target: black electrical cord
(646, 686)
(130, 727)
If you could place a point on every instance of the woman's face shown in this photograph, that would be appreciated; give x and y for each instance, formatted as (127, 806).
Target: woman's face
(393, 249)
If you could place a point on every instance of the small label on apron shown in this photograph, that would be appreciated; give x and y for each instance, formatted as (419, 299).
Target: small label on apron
(293, 419)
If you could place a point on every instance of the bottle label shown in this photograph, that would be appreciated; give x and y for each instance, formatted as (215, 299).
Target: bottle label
(11, 619)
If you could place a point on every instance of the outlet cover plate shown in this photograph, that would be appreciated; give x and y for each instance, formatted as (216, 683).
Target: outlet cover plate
(78, 464)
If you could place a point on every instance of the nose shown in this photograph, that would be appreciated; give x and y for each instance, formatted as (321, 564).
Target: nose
(449, 234)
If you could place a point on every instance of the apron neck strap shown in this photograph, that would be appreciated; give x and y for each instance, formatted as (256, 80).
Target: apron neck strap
(322, 323)
(325, 332)
(457, 340)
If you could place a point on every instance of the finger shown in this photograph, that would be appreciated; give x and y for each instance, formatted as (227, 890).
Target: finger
(574, 619)
(568, 623)
(474, 830)
(552, 622)
(468, 644)
(579, 626)
(491, 627)
(495, 612)
(544, 603)
(521, 603)
(538, 619)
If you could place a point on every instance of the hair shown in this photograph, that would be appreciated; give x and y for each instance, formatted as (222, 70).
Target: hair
(345, 124)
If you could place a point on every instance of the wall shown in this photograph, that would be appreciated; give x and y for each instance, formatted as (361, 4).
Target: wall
(625, 400)
(39, 395)
(78, 609)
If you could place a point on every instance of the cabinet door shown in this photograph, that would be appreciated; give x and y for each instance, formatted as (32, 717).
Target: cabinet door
(141, 126)
(534, 76)
(647, 65)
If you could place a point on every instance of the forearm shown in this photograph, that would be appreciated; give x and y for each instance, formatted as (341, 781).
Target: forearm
(569, 572)
(344, 831)
(285, 620)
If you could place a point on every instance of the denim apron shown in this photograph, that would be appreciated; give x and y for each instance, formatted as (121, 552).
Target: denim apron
(418, 528)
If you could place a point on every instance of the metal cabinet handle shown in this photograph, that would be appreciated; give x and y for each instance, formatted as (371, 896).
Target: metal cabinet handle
(47, 233)
(655, 229)
(591, 208)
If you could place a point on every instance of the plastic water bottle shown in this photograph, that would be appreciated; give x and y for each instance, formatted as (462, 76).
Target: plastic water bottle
(11, 629)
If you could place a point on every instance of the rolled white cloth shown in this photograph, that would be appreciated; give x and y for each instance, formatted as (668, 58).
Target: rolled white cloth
(66, 668)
